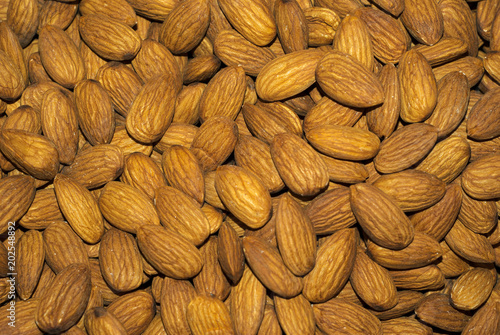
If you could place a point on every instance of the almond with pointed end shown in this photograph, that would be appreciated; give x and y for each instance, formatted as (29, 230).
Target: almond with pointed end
(459, 22)
(43, 210)
(152, 110)
(435, 309)
(296, 315)
(425, 278)
(65, 301)
(334, 263)
(134, 311)
(338, 316)
(32, 153)
(482, 123)
(119, 10)
(214, 142)
(472, 289)
(267, 265)
(481, 178)
(29, 262)
(175, 298)
(109, 38)
(243, 195)
(181, 213)
(291, 25)
(99, 321)
(22, 17)
(424, 20)
(96, 166)
(120, 261)
(352, 37)
(80, 208)
(18, 192)
(60, 57)
(298, 164)
(230, 252)
(295, 236)
(347, 81)
(344, 142)
(9, 43)
(380, 217)
(169, 252)
(143, 173)
(126, 207)
(469, 245)
(207, 314)
(288, 75)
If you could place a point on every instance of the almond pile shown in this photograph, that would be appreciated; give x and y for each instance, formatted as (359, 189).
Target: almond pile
(249, 167)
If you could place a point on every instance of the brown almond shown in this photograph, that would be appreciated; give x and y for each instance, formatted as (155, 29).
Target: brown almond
(469, 245)
(435, 309)
(424, 20)
(43, 211)
(143, 173)
(472, 289)
(230, 252)
(207, 314)
(18, 193)
(22, 17)
(30, 260)
(134, 311)
(425, 278)
(175, 298)
(291, 26)
(481, 179)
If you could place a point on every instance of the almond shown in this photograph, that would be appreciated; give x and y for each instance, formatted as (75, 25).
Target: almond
(117, 9)
(230, 252)
(30, 260)
(296, 315)
(472, 289)
(43, 210)
(482, 120)
(175, 298)
(98, 321)
(134, 311)
(469, 245)
(22, 17)
(425, 278)
(424, 20)
(481, 179)
(352, 37)
(435, 309)
(18, 194)
(143, 173)
(207, 314)
(291, 25)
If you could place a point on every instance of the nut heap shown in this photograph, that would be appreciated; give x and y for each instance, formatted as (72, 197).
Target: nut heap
(249, 167)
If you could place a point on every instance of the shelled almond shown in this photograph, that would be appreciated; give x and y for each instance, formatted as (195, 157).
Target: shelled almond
(249, 167)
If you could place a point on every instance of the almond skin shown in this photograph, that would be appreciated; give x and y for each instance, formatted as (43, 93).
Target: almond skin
(334, 263)
(60, 57)
(424, 20)
(380, 217)
(291, 25)
(43, 210)
(12, 81)
(435, 309)
(288, 75)
(344, 142)
(300, 167)
(472, 289)
(207, 314)
(230, 250)
(143, 173)
(97, 31)
(295, 315)
(469, 245)
(267, 265)
(347, 81)
(243, 195)
(99, 321)
(483, 118)
(481, 179)
(30, 260)
(169, 252)
(134, 311)
(175, 298)
(18, 194)
(64, 303)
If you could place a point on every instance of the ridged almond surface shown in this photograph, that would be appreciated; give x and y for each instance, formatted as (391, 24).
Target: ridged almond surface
(469, 245)
(153, 10)
(422, 251)
(126, 207)
(422, 279)
(338, 316)
(352, 37)
(120, 261)
(298, 164)
(65, 301)
(341, 7)
(436, 310)
(169, 252)
(119, 10)
(230, 252)
(96, 166)
(32, 153)
(482, 123)
(233, 50)
(438, 219)
(472, 67)
(214, 142)
(109, 38)
(43, 210)
(373, 283)
(331, 211)
(291, 24)
(9, 43)
(404, 325)
(329, 112)
(59, 14)
(481, 178)
(407, 301)
(451, 265)
(447, 159)
(18, 192)
(134, 311)
(80, 208)
(288, 75)
(175, 298)
(29, 262)
(252, 19)
(122, 84)
(380, 217)
(185, 26)
(296, 315)
(22, 17)
(248, 300)
(268, 266)
(418, 87)
(12, 81)
(334, 263)
(347, 81)
(60, 123)
(143, 173)
(60, 57)
(424, 20)
(63, 247)
(405, 147)
(187, 108)
(152, 110)
(99, 321)
(344, 142)
(447, 49)
(244, 195)
(412, 190)
(479, 216)
(25, 318)
(472, 289)
(485, 320)
(295, 235)
(207, 315)
(459, 22)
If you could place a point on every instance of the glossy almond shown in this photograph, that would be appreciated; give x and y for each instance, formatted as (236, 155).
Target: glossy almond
(472, 289)
(207, 314)
(424, 20)
(243, 195)
(334, 263)
(134, 311)
(230, 252)
(18, 194)
(175, 298)
(143, 173)
(469, 245)
(481, 179)
(435, 309)
(295, 315)
(29, 262)
(347, 81)
(352, 37)
(482, 121)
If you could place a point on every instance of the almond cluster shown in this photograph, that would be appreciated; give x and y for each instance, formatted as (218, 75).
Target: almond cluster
(249, 167)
